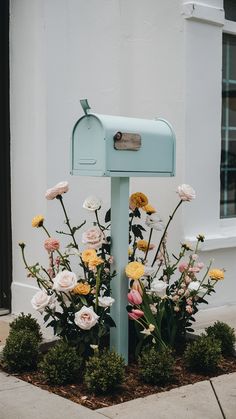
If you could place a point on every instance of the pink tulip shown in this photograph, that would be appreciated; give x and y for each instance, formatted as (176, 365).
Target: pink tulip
(135, 314)
(134, 297)
(183, 266)
(136, 286)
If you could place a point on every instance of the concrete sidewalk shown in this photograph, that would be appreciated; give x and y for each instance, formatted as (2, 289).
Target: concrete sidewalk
(214, 399)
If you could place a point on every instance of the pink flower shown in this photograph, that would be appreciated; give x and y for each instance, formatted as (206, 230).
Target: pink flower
(189, 309)
(194, 256)
(51, 244)
(186, 192)
(187, 280)
(58, 189)
(183, 266)
(134, 297)
(189, 302)
(93, 238)
(136, 286)
(194, 269)
(135, 314)
(200, 265)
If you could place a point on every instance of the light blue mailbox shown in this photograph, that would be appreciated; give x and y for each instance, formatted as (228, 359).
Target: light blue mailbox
(120, 147)
(115, 146)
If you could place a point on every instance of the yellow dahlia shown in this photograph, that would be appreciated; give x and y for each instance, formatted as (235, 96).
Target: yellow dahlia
(38, 221)
(216, 274)
(138, 200)
(82, 289)
(142, 245)
(134, 270)
(88, 254)
(94, 262)
(148, 209)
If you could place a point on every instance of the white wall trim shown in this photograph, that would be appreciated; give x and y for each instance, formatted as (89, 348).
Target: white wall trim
(230, 27)
(203, 13)
(214, 242)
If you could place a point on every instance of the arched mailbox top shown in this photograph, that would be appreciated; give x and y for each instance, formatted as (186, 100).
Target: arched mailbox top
(106, 145)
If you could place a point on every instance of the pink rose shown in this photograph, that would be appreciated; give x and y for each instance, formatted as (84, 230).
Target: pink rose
(135, 314)
(51, 244)
(93, 238)
(64, 281)
(186, 192)
(59, 189)
(183, 266)
(134, 297)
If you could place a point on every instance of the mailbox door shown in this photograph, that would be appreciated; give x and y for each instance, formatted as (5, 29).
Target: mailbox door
(88, 147)
(155, 156)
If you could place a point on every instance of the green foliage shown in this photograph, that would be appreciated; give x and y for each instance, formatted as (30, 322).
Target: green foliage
(27, 322)
(61, 364)
(203, 354)
(104, 372)
(156, 367)
(225, 334)
(21, 351)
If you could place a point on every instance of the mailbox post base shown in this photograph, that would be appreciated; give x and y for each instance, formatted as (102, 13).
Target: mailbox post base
(120, 243)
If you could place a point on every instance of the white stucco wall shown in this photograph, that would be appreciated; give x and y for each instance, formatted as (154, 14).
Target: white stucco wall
(128, 58)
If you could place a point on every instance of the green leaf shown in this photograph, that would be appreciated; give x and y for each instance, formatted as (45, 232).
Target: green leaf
(108, 216)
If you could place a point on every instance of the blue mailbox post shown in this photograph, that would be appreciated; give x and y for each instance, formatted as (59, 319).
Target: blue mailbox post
(121, 147)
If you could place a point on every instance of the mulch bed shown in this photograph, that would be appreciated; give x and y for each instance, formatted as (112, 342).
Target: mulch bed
(132, 387)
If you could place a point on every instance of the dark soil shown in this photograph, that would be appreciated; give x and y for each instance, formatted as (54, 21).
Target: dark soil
(132, 387)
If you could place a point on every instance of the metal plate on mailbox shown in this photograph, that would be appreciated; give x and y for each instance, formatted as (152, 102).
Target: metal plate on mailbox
(127, 141)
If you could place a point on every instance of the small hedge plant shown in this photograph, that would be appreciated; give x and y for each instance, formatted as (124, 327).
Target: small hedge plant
(225, 334)
(61, 364)
(26, 322)
(104, 371)
(21, 351)
(203, 355)
(156, 367)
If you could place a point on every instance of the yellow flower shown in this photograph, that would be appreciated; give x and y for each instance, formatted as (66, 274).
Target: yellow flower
(148, 209)
(142, 245)
(88, 254)
(38, 221)
(82, 289)
(94, 262)
(130, 251)
(138, 200)
(134, 270)
(216, 274)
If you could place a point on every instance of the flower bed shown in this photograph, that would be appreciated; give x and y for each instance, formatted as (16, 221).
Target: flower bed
(74, 298)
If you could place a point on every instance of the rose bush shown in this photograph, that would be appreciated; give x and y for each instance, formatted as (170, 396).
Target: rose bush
(164, 293)
(75, 303)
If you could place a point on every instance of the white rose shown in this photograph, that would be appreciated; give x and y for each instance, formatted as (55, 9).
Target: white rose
(92, 203)
(105, 301)
(64, 281)
(158, 287)
(195, 286)
(186, 192)
(58, 189)
(86, 318)
(41, 300)
(155, 222)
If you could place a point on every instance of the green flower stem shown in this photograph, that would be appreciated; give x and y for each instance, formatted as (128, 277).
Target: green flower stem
(59, 197)
(149, 241)
(39, 279)
(102, 228)
(98, 280)
(165, 231)
(58, 251)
